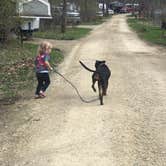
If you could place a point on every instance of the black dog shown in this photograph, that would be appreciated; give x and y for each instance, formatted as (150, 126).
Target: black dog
(101, 75)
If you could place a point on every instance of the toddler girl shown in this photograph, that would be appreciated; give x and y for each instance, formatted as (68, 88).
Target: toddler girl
(42, 67)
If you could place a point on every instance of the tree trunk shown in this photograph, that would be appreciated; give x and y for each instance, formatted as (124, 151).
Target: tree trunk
(103, 9)
(107, 7)
(63, 24)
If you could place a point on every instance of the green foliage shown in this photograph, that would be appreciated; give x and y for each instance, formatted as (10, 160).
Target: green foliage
(147, 31)
(7, 11)
(70, 34)
(8, 18)
(17, 68)
(88, 9)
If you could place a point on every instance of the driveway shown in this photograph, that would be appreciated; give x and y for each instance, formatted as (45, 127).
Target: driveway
(129, 130)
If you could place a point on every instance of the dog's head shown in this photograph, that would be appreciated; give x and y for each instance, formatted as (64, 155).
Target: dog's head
(98, 63)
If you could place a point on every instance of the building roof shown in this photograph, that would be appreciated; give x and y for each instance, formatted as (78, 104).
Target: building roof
(34, 8)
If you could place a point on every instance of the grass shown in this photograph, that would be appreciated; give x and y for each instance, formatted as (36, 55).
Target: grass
(70, 34)
(147, 31)
(17, 63)
(17, 69)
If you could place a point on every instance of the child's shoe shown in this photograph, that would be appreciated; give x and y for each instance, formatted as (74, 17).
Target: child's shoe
(41, 94)
(37, 96)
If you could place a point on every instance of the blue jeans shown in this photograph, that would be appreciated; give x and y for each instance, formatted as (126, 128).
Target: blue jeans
(43, 82)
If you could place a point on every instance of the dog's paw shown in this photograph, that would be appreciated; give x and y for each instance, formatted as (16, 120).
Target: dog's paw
(93, 88)
(104, 94)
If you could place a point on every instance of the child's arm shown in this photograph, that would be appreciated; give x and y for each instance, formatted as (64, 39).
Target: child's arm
(48, 65)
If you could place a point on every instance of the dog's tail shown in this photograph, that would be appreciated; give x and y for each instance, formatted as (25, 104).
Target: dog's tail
(86, 67)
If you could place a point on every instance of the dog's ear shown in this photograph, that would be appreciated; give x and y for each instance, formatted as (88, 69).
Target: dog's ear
(98, 63)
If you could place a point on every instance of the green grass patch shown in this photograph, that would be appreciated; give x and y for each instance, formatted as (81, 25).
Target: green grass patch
(17, 68)
(147, 31)
(70, 34)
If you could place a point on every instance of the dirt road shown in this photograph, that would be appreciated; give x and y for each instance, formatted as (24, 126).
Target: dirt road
(129, 130)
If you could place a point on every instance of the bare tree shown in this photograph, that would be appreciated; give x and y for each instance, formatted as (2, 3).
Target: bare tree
(107, 6)
(7, 19)
(103, 8)
(88, 9)
(63, 23)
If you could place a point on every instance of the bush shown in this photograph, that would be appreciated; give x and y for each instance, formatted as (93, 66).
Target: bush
(17, 69)
(147, 31)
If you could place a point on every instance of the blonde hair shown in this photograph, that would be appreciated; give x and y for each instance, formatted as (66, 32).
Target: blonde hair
(43, 47)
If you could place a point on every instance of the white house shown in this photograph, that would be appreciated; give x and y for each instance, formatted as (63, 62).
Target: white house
(32, 11)
(38, 8)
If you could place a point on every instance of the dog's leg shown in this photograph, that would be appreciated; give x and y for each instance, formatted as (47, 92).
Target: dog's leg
(100, 93)
(93, 86)
(105, 86)
(93, 82)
